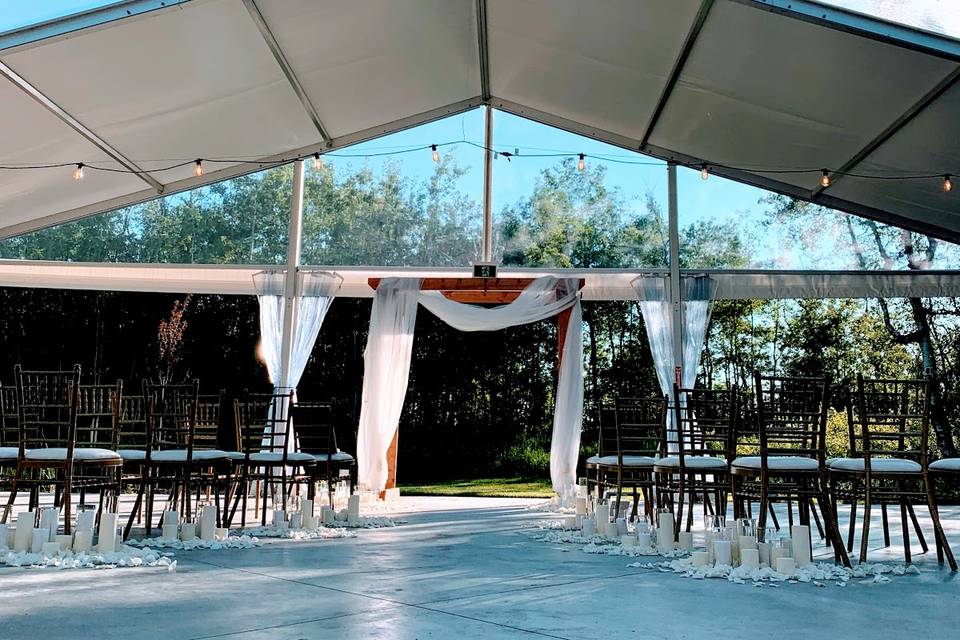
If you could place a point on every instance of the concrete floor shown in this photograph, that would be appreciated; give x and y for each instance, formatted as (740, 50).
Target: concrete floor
(459, 568)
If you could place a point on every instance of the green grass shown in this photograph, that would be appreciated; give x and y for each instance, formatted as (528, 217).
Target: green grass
(484, 488)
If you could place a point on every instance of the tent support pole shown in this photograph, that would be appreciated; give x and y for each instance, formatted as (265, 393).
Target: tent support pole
(487, 185)
(290, 281)
(674, 233)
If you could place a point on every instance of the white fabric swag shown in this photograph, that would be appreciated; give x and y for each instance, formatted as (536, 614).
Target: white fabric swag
(387, 365)
(696, 295)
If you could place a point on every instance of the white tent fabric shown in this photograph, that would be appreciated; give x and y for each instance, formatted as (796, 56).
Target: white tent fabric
(387, 365)
(691, 81)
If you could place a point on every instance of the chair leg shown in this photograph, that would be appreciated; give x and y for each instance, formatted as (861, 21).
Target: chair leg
(773, 515)
(852, 525)
(830, 522)
(11, 499)
(905, 527)
(886, 524)
(865, 533)
(134, 510)
(943, 546)
(916, 527)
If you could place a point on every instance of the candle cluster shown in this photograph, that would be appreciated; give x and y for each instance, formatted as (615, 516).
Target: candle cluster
(38, 532)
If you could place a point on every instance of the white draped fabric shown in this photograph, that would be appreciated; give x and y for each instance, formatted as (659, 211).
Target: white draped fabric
(696, 294)
(387, 365)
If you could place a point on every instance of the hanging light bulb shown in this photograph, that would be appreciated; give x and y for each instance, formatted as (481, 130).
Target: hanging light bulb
(947, 183)
(78, 172)
(825, 179)
(317, 162)
(436, 154)
(704, 174)
(198, 168)
(581, 163)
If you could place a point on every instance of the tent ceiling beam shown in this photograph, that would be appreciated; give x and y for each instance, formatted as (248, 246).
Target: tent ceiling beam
(890, 131)
(38, 96)
(685, 51)
(281, 58)
(483, 47)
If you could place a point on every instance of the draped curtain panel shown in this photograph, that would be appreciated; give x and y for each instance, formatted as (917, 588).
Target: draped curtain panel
(387, 365)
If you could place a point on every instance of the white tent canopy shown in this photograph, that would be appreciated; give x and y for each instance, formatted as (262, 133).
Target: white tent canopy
(744, 85)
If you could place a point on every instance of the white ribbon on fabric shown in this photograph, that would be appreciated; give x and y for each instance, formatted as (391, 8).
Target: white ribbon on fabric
(387, 365)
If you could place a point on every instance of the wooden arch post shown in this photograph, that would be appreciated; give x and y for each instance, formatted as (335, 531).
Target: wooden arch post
(474, 291)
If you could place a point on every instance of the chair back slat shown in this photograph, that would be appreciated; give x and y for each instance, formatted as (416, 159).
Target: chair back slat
(171, 413)
(98, 408)
(640, 426)
(47, 407)
(9, 423)
(792, 415)
(264, 420)
(893, 417)
(313, 424)
(132, 423)
(707, 422)
(207, 430)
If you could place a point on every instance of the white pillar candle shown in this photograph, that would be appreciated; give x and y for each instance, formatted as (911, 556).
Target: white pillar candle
(747, 542)
(603, 516)
(622, 526)
(581, 506)
(306, 508)
(612, 532)
(107, 534)
(64, 541)
(786, 566)
(700, 558)
(296, 520)
(643, 539)
(4, 537)
(221, 533)
(722, 552)
(686, 540)
(85, 520)
(776, 552)
(39, 538)
(279, 519)
(764, 549)
(188, 531)
(327, 516)
(750, 559)
(628, 540)
(709, 546)
(49, 520)
(82, 540)
(208, 522)
(50, 549)
(171, 517)
(23, 537)
(170, 532)
(665, 534)
(570, 522)
(589, 527)
(800, 544)
(732, 536)
(310, 522)
(353, 510)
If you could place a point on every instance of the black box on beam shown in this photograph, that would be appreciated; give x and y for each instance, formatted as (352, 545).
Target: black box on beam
(484, 270)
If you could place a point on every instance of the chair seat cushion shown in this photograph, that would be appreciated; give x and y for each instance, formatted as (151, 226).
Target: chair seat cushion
(80, 454)
(778, 463)
(628, 461)
(878, 465)
(946, 464)
(235, 455)
(338, 456)
(132, 454)
(693, 462)
(9, 453)
(180, 455)
(266, 457)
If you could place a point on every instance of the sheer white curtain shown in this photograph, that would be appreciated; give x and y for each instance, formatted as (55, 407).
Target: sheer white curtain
(696, 295)
(387, 365)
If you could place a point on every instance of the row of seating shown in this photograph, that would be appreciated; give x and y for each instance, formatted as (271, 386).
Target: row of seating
(55, 431)
(700, 447)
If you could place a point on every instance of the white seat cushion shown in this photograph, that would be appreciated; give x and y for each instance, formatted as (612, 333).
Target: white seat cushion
(628, 461)
(9, 453)
(275, 457)
(947, 464)
(236, 455)
(132, 454)
(180, 455)
(338, 456)
(693, 462)
(878, 465)
(778, 463)
(80, 454)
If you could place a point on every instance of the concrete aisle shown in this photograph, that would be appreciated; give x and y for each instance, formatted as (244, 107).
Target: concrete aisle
(459, 568)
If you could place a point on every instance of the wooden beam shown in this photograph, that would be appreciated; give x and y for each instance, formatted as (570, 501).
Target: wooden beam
(563, 321)
(391, 464)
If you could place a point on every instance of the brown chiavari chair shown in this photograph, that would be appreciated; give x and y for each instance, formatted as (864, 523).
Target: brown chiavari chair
(701, 450)
(9, 432)
(98, 409)
(893, 417)
(172, 458)
(313, 425)
(268, 460)
(606, 446)
(132, 446)
(792, 424)
(639, 425)
(946, 471)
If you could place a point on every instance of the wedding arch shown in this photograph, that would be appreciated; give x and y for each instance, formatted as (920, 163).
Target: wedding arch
(390, 344)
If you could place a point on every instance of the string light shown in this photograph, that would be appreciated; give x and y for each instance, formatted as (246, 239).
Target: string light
(947, 183)
(78, 172)
(198, 168)
(704, 174)
(825, 179)
(317, 162)
(436, 154)
(581, 163)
